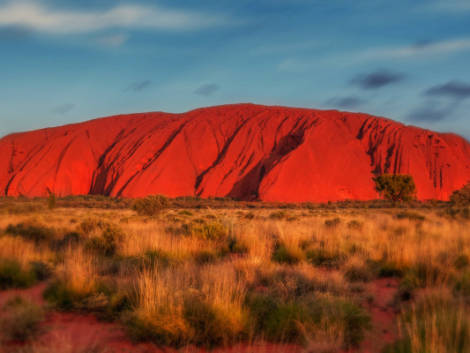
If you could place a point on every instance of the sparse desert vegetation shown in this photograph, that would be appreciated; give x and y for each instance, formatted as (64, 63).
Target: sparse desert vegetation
(217, 273)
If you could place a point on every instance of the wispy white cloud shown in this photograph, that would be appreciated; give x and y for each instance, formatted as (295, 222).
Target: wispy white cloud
(449, 5)
(38, 17)
(295, 65)
(284, 47)
(418, 49)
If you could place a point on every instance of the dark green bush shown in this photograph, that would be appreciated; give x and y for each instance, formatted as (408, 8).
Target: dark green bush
(396, 187)
(89, 225)
(210, 328)
(32, 231)
(356, 225)
(213, 231)
(275, 320)
(20, 320)
(41, 270)
(249, 215)
(384, 268)
(283, 255)
(233, 245)
(61, 296)
(332, 223)
(408, 286)
(13, 276)
(462, 285)
(170, 332)
(290, 321)
(150, 205)
(159, 258)
(278, 215)
(205, 257)
(357, 273)
(210, 231)
(322, 257)
(284, 284)
(356, 321)
(108, 242)
(414, 216)
(68, 240)
(462, 261)
(461, 196)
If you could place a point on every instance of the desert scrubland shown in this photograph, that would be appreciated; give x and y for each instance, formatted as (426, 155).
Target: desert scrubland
(199, 276)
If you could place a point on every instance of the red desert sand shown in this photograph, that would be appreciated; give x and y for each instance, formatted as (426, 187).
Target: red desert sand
(242, 151)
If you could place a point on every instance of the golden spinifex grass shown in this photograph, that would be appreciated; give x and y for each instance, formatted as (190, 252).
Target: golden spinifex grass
(217, 277)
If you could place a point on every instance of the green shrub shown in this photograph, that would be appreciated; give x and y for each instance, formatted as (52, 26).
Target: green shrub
(89, 225)
(356, 225)
(462, 261)
(414, 216)
(384, 268)
(234, 245)
(278, 215)
(159, 258)
(68, 240)
(20, 320)
(332, 223)
(41, 270)
(209, 326)
(458, 212)
(462, 285)
(163, 329)
(284, 255)
(396, 187)
(461, 196)
(108, 242)
(287, 284)
(12, 275)
(292, 320)
(214, 231)
(203, 257)
(275, 320)
(408, 286)
(357, 273)
(150, 205)
(61, 296)
(249, 215)
(32, 231)
(105, 300)
(356, 322)
(117, 304)
(322, 257)
(426, 274)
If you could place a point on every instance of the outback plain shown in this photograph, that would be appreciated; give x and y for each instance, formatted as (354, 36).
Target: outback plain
(96, 274)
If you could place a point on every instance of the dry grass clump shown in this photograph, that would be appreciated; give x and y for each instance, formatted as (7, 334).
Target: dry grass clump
(187, 305)
(437, 323)
(22, 263)
(76, 280)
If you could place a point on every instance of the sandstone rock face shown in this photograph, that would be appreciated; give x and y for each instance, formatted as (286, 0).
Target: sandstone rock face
(243, 151)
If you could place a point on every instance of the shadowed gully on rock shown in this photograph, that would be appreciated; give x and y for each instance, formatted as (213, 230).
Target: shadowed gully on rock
(242, 151)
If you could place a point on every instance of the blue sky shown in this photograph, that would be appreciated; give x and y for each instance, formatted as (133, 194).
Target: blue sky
(66, 61)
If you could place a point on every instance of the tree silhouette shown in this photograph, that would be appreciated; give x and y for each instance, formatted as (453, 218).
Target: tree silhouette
(395, 187)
